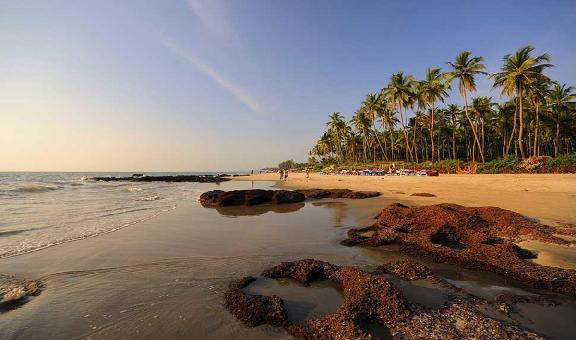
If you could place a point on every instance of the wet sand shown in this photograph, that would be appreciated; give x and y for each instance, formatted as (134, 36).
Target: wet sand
(165, 277)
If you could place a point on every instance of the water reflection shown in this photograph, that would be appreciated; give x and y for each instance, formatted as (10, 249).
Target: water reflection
(257, 210)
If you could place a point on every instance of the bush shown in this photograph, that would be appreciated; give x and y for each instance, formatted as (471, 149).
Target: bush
(562, 163)
(498, 166)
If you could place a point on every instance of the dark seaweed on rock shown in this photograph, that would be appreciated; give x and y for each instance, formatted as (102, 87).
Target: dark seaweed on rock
(220, 198)
(479, 238)
(368, 298)
(337, 193)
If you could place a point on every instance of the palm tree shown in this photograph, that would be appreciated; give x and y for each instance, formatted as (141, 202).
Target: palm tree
(482, 109)
(453, 111)
(337, 126)
(362, 124)
(465, 68)
(431, 90)
(400, 92)
(537, 93)
(371, 105)
(389, 120)
(560, 99)
(519, 72)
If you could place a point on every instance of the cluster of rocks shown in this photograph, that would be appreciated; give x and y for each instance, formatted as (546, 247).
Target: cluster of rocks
(220, 198)
(369, 298)
(337, 193)
(480, 238)
(175, 178)
(14, 291)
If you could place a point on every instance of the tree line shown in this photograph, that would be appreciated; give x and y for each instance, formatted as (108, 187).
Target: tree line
(411, 120)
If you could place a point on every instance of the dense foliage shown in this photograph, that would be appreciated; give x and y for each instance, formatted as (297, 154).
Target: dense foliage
(408, 120)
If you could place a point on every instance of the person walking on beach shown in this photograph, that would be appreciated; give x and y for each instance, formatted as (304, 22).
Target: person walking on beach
(307, 173)
(285, 175)
(281, 174)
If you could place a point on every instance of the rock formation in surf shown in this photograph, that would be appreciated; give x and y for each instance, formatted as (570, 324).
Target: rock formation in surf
(219, 198)
(15, 291)
(337, 193)
(480, 238)
(369, 298)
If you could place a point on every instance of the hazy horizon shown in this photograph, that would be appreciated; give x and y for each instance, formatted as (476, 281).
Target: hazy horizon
(208, 85)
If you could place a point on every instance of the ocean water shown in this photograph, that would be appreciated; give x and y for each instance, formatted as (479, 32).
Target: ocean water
(38, 210)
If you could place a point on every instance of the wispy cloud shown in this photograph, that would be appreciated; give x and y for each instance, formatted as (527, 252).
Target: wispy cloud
(215, 16)
(227, 84)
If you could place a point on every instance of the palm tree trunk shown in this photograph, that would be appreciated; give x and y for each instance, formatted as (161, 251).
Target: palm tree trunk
(432, 130)
(513, 131)
(557, 140)
(474, 132)
(376, 133)
(521, 127)
(406, 139)
(535, 148)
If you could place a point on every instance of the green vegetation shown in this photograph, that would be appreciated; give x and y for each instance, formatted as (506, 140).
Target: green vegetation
(411, 121)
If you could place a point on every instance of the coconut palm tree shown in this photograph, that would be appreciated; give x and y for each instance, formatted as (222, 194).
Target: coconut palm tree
(337, 126)
(432, 89)
(453, 111)
(389, 121)
(362, 124)
(537, 93)
(465, 68)
(371, 105)
(519, 72)
(482, 109)
(560, 98)
(400, 92)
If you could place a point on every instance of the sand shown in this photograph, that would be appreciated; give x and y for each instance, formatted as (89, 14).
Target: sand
(550, 198)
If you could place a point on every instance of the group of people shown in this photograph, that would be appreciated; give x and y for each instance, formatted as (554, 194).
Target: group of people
(283, 174)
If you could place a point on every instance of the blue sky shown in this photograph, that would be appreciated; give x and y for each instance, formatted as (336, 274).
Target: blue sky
(223, 85)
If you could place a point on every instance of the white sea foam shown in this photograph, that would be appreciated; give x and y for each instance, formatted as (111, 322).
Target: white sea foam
(42, 210)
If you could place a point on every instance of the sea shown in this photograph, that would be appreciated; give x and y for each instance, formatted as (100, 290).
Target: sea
(42, 209)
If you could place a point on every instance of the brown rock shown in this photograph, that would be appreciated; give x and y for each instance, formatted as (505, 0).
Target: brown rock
(423, 194)
(480, 238)
(368, 298)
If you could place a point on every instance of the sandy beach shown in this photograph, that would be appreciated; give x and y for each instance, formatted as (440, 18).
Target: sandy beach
(550, 198)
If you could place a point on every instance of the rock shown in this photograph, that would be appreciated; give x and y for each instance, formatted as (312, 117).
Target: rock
(406, 270)
(423, 194)
(479, 238)
(369, 298)
(254, 310)
(14, 290)
(337, 193)
(432, 173)
(219, 198)
(176, 178)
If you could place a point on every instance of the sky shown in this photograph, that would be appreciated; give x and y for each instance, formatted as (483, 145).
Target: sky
(207, 85)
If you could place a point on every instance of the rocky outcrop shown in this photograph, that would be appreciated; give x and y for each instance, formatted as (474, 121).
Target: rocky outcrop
(423, 194)
(337, 193)
(480, 238)
(219, 198)
(369, 298)
(176, 178)
(254, 310)
(14, 291)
